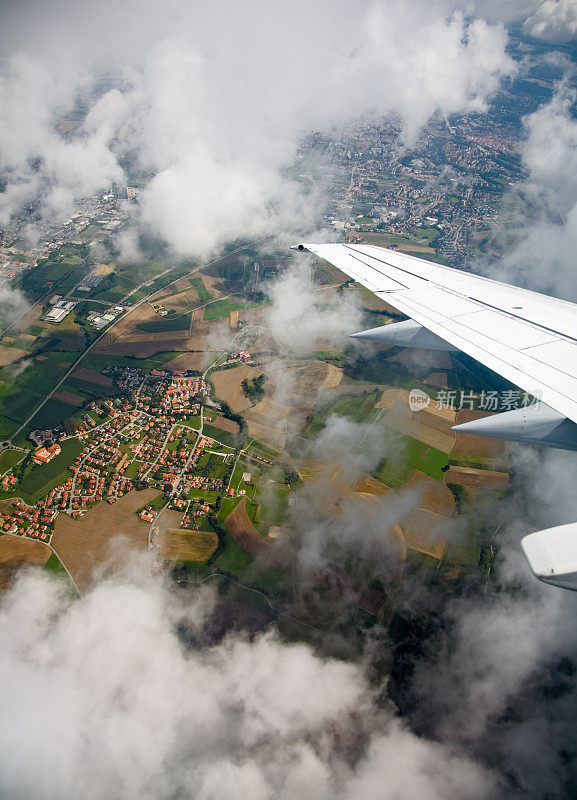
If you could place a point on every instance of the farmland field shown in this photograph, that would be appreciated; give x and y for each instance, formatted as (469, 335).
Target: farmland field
(410, 454)
(44, 477)
(106, 532)
(172, 322)
(204, 295)
(179, 545)
(221, 309)
(243, 531)
(15, 551)
(8, 458)
(228, 385)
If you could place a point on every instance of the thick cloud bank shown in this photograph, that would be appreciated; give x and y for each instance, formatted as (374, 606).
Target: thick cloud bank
(544, 259)
(100, 699)
(554, 21)
(212, 100)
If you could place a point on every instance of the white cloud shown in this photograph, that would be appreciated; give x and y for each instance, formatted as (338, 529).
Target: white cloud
(215, 99)
(101, 699)
(543, 258)
(554, 21)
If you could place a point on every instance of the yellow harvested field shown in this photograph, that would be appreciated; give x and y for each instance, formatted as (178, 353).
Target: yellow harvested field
(102, 270)
(434, 496)
(103, 538)
(228, 385)
(478, 478)
(10, 354)
(391, 397)
(182, 545)
(15, 552)
(370, 485)
(269, 435)
(400, 418)
(424, 531)
(187, 361)
(333, 378)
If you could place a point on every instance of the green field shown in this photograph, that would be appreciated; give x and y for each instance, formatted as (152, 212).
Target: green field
(260, 449)
(191, 422)
(99, 362)
(227, 438)
(172, 322)
(221, 309)
(8, 458)
(359, 407)
(40, 479)
(51, 413)
(409, 454)
(204, 295)
(54, 565)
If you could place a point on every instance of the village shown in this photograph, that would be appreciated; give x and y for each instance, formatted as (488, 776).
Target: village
(150, 438)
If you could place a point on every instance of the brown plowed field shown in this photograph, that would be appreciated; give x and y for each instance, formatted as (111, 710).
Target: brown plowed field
(68, 397)
(243, 531)
(437, 379)
(16, 551)
(480, 478)
(92, 376)
(101, 536)
(224, 424)
(188, 545)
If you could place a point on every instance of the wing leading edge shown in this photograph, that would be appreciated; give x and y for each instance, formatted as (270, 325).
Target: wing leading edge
(528, 338)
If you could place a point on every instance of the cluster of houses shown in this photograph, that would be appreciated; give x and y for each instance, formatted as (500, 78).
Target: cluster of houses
(177, 395)
(7, 482)
(196, 508)
(242, 355)
(32, 521)
(153, 441)
(199, 482)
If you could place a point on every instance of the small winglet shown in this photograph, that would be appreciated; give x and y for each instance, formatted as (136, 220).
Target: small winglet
(552, 555)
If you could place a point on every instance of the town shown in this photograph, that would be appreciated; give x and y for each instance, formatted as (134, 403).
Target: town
(150, 438)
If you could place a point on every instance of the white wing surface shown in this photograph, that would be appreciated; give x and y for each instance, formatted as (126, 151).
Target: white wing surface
(528, 338)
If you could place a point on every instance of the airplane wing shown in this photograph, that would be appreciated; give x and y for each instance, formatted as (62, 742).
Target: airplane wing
(528, 338)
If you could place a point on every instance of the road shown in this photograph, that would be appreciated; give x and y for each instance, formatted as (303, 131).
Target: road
(8, 442)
